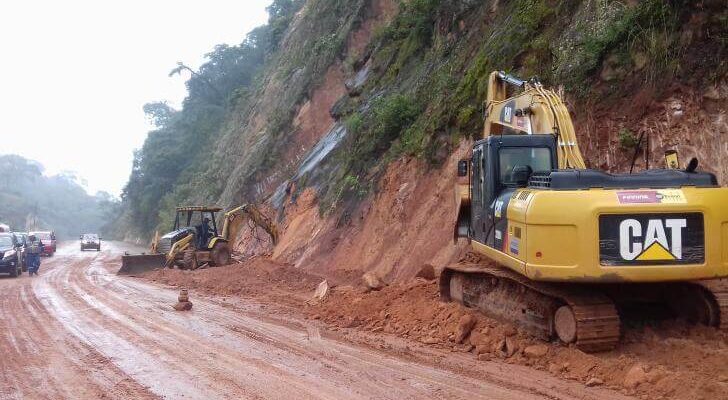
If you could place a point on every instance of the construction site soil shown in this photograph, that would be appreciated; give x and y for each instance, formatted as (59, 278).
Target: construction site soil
(654, 360)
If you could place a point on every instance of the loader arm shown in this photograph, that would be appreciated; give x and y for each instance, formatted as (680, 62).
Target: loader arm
(255, 215)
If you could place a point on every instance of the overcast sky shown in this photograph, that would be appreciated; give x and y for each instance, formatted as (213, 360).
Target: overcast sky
(74, 74)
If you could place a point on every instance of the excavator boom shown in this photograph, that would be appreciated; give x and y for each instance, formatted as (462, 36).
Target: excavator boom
(535, 110)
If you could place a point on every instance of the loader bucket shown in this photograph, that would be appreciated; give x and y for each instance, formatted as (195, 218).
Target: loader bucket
(138, 263)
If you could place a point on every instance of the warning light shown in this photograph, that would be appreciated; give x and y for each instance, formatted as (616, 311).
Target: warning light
(538, 254)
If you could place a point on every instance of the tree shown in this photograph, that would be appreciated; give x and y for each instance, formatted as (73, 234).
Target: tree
(159, 113)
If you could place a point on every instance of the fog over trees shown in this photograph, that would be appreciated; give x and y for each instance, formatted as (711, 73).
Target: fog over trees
(30, 200)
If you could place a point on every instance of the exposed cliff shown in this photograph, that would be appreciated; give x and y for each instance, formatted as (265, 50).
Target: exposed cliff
(358, 109)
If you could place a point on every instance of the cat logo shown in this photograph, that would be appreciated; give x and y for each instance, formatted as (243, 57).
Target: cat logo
(651, 243)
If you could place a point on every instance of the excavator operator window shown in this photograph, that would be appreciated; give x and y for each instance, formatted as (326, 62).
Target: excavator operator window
(538, 158)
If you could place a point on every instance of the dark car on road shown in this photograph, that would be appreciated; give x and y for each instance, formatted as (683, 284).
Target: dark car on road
(9, 259)
(90, 241)
(48, 238)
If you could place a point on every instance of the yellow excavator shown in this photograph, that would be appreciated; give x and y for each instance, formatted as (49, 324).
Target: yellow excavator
(564, 251)
(195, 241)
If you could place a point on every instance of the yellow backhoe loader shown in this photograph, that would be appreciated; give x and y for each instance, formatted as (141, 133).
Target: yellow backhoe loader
(567, 251)
(195, 241)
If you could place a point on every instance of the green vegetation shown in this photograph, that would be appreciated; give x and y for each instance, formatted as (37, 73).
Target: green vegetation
(427, 74)
(165, 170)
(627, 139)
(643, 37)
(30, 200)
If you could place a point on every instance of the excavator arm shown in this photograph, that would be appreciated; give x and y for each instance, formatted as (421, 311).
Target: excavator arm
(535, 110)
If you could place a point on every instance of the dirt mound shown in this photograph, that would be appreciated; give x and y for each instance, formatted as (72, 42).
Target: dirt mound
(258, 277)
(670, 361)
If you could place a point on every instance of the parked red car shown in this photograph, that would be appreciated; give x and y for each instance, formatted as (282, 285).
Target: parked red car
(48, 238)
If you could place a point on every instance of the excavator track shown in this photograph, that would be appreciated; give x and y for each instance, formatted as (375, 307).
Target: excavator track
(589, 320)
(718, 293)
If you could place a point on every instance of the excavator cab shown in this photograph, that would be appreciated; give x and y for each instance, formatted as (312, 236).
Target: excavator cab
(501, 165)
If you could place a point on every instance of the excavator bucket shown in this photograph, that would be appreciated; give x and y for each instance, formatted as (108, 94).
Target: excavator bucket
(138, 263)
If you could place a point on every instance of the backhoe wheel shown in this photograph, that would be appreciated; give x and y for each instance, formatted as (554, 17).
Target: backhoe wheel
(220, 254)
(189, 260)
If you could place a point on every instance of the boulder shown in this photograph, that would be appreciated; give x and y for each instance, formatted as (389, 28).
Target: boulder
(427, 271)
(372, 281)
(322, 290)
(465, 325)
(536, 351)
(635, 376)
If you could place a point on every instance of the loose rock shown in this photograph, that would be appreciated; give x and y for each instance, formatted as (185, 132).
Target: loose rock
(635, 376)
(465, 325)
(430, 340)
(372, 281)
(183, 306)
(427, 271)
(322, 290)
(536, 351)
(594, 382)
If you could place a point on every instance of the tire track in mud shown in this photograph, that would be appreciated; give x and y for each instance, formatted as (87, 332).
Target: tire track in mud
(78, 331)
(215, 334)
(40, 360)
(527, 382)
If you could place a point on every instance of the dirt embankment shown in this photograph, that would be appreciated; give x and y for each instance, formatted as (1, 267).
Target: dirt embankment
(692, 120)
(406, 223)
(669, 360)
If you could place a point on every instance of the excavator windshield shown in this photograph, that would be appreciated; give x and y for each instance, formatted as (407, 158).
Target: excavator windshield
(537, 158)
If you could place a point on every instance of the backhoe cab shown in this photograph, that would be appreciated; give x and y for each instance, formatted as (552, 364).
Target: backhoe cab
(194, 239)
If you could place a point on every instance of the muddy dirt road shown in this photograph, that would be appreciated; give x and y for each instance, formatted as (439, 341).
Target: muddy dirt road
(78, 331)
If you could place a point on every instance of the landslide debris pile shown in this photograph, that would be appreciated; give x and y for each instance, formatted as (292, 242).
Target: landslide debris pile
(668, 360)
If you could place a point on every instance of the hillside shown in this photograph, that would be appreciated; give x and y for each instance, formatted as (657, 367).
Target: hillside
(30, 201)
(346, 118)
